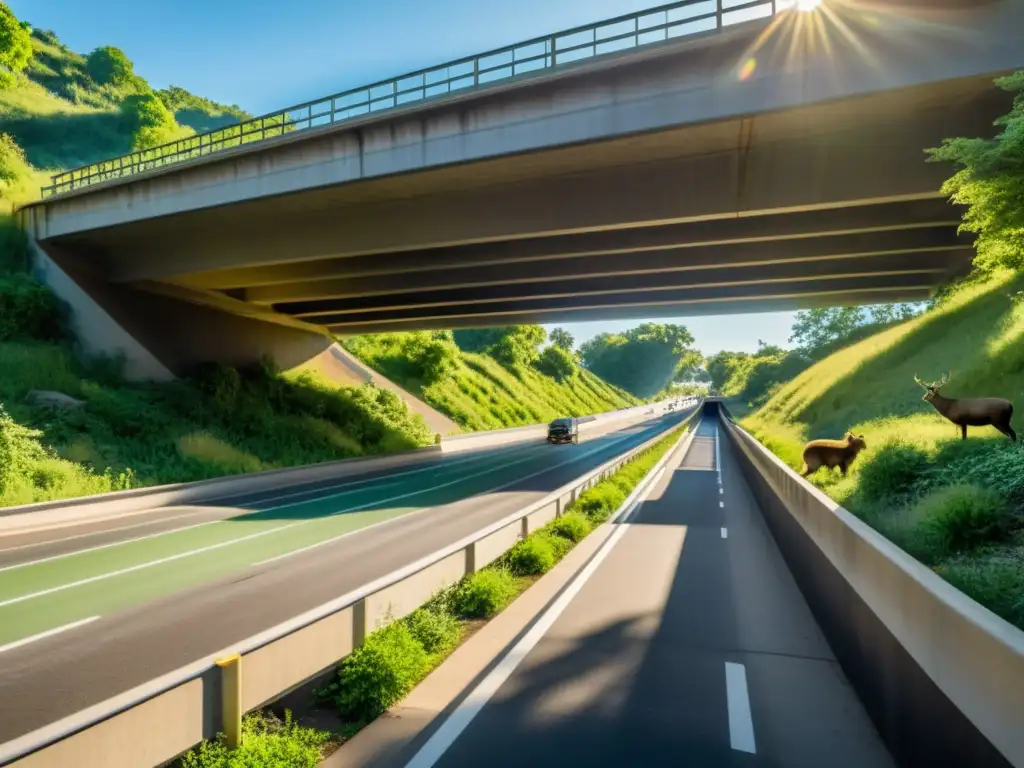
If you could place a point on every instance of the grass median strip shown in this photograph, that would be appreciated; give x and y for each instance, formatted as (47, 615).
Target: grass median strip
(400, 654)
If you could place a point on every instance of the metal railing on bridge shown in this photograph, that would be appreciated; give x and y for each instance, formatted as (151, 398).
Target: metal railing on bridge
(637, 30)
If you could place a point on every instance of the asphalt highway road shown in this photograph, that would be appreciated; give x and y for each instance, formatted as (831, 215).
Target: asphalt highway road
(89, 612)
(688, 644)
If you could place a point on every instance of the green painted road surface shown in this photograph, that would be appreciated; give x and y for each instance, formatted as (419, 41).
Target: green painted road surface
(41, 595)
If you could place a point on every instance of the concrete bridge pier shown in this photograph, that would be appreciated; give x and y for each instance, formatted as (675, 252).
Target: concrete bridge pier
(161, 336)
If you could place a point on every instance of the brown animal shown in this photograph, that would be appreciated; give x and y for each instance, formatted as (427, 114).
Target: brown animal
(832, 453)
(970, 411)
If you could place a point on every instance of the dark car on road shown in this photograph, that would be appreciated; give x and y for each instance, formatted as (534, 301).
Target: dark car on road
(563, 431)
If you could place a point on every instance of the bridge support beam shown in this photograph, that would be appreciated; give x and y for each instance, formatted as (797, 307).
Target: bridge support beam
(161, 337)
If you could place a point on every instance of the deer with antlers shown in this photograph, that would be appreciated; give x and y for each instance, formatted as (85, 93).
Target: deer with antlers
(970, 412)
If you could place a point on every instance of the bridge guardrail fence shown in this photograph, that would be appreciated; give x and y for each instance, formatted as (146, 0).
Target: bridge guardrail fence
(941, 676)
(157, 721)
(660, 24)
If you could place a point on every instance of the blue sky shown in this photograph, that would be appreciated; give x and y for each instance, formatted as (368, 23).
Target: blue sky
(265, 55)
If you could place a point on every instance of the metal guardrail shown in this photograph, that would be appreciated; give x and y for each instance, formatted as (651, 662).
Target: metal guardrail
(636, 30)
(32, 744)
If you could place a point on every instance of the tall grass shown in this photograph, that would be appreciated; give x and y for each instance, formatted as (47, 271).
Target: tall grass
(480, 394)
(223, 422)
(956, 505)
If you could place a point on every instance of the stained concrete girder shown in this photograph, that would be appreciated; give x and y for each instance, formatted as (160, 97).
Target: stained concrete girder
(665, 260)
(772, 302)
(893, 217)
(930, 266)
(787, 177)
(437, 316)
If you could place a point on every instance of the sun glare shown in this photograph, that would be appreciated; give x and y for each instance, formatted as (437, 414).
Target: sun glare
(807, 5)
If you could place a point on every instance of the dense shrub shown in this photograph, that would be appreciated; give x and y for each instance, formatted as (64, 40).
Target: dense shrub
(534, 555)
(149, 121)
(266, 741)
(28, 310)
(961, 517)
(573, 526)
(15, 46)
(380, 672)
(436, 629)
(557, 363)
(599, 502)
(892, 471)
(485, 593)
(996, 581)
(110, 66)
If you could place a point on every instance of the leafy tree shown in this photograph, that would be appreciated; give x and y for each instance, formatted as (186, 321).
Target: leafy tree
(557, 363)
(643, 360)
(562, 339)
(148, 120)
(817, 327)
(110, 66)
(15, 46)
(884, 314)
(513, 346)
(12, 159)
(991, 183)
(518, 346)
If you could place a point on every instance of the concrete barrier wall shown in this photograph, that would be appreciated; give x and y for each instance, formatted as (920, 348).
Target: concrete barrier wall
(156, 722)
(941, 676)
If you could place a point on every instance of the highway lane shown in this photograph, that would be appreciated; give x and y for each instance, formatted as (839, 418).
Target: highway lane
(689, 644)
(60, 578)
(56, 676)
(16, 548)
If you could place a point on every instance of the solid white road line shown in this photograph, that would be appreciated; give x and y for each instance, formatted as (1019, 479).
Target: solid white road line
(725, 534)
(46, 634)
(741, 723)
(471, 706)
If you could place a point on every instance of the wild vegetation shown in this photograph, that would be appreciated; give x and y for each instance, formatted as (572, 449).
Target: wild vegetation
(817, 333)
(644, 360)
(490, 379)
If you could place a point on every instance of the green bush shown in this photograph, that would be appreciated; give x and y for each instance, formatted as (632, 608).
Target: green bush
(996, 581)
(266, 741)
(893, 471)
(531, 556)
(380, 672)
(573, 526)
(110, 66)
(557, 363)
(15, 44)
(601, 501)
(961, 517)
(28, 310)
(559, 544)
(436, 629)
(485, 593)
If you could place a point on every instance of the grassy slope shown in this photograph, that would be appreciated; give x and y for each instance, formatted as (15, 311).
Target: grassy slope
(182, 431)
(914, 455)
(481, 394)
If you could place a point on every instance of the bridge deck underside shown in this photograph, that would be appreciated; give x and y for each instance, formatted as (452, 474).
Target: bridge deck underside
(819, 206)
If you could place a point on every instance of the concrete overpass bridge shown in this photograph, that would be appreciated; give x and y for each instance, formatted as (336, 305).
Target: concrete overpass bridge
(705, 157)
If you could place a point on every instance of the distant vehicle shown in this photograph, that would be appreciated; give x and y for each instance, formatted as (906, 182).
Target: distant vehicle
(563, 431)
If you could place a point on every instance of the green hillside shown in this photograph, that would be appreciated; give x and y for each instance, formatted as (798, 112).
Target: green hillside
(957, 506)
(64, 110)
(477, 392)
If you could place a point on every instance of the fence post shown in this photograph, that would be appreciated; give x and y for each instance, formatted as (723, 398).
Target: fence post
(231, 699)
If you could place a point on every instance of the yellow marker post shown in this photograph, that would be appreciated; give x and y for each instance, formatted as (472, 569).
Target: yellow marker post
(231, 699)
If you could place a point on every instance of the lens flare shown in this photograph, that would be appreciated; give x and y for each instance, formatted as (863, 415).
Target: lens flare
(748, 69)
(807, 5)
